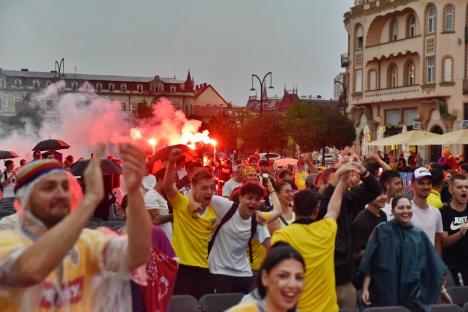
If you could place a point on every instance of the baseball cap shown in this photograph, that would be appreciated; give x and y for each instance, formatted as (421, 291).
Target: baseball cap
(420, 173)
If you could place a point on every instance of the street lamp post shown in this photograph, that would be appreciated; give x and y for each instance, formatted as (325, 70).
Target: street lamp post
(262, 83)
(343, 99)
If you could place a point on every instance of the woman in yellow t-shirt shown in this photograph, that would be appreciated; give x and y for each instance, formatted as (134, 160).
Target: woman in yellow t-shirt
(279, 284)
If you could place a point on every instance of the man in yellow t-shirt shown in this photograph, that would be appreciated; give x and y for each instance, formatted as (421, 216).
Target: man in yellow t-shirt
(193, 227)
(315, 241)
(49, 262)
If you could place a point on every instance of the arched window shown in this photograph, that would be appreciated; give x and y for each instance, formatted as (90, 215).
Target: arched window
(359, 36)
(449, 18)
(98, 87)
(448, 69)
(140, 88)
(173, 89)
(123, 87)
(392, 76)
(36, 84)
(412, 26)
(431, 19)
(394, 30)
(410, 73)
(111, 87)
(372, 83)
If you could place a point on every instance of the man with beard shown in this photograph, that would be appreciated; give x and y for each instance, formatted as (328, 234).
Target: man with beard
(50, 262)
(455, 220)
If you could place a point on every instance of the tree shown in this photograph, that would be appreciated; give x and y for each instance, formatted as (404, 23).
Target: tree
(263, 132)
(224, 130)
(316, 127)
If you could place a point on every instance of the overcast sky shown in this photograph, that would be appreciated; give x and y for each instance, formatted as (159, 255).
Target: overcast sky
(222, 42)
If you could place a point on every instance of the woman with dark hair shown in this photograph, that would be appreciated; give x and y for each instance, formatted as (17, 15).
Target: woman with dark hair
(286, 198)
(400, 264)
(279, 283)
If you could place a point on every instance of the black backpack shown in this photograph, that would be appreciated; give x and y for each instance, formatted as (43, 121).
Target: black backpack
(227, 216)
(5, 177)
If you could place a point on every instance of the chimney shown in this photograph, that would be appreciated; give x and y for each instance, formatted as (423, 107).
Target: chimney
(205, 84)
(24, 69)
(319, 96)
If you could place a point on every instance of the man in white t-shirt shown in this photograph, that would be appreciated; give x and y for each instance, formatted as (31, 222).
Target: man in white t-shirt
(7, 181)
(157, 205)
(234, 182)
(426, 217)
(227, 259)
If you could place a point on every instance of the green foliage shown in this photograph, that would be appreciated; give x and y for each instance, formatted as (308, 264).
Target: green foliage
(264, 133)
(224, 130)
(314, 128)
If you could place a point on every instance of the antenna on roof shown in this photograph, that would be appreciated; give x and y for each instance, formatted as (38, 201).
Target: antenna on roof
(173, 67)
(75, 70)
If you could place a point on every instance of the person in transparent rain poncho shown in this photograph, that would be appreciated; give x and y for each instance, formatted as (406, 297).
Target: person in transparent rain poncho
(51, 262)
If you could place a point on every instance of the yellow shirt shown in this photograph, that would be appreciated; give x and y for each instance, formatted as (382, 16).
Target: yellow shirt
(434, 199)
(316, 243)
(258, 249)
(91, 254)
(300, 179)
(192, 232)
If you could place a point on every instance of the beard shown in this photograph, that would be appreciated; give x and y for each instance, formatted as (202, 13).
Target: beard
(52, 213)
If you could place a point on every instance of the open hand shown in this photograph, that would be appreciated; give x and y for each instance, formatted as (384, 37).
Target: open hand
(133, 163)
(93, 178)
(365, 297)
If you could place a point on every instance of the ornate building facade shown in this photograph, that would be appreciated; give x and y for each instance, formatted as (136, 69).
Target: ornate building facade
(407, 62)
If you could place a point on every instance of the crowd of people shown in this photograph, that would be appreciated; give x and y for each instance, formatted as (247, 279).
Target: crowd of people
(295, 238)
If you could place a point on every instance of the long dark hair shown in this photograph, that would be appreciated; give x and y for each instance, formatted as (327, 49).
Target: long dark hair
(278, 252)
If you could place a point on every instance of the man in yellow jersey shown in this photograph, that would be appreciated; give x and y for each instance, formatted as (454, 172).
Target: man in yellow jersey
(50, 263)
(192, 228)
(315, 241)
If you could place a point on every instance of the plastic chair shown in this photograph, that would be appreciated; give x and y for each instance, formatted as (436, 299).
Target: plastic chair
(184, 303)
(387, 309)
(445, 308)
(459, 294)
(219, 302)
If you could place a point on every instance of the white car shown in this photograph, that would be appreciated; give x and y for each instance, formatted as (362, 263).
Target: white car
(271, 156)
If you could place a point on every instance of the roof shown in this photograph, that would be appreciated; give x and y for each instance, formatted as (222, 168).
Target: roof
(199, 91)
(49, 75)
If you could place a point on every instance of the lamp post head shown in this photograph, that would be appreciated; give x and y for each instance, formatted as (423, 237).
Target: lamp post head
(252, 89)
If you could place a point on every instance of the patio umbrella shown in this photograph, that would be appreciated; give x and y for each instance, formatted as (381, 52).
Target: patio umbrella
(284, 162)
(108, 167)
(8, 154)
(51, 145)
(409, 137)
(454, 137)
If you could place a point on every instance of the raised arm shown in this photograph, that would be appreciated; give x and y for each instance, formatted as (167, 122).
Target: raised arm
(36, 262)
(138, 220)
(376, 158)
(275, 213)
(168, 183)
(341, 179)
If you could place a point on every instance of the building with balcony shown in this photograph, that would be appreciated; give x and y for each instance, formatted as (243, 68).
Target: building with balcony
(407, 62)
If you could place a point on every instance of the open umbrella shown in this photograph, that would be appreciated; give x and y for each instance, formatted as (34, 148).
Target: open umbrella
(454, 137)
(108, 167)
(163, 153)
(409, 137)
(51, 145)
(8, 154)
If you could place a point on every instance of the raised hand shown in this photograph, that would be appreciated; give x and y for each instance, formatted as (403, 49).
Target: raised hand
(133, 166)
(93, 178)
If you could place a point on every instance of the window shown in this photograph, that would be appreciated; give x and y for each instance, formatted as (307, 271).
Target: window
(74, 85)
(3, 83)
(49, 105)
(36, 84)
(449, 18)
(372, 80)
(173, 88)
(394, 30)
(412, 26)
(123, 87)
(48, 83)
(98, 87)
(410, 74)
(359, 36)
(358, 80)
(409, 115)
(448, 69)
(392, 76)
(430, 70)
(392, 117)
(18, 83)
(111, 87)
(431, 19)
(140, 88)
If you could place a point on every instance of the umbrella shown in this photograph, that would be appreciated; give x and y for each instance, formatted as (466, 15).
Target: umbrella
(454, 137)
(163, 153)
(284, 162)
(108, 167)
(409, 137)
(7, 154)
(50, 145)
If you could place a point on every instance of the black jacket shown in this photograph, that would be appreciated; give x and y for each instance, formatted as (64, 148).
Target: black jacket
(353, 201)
